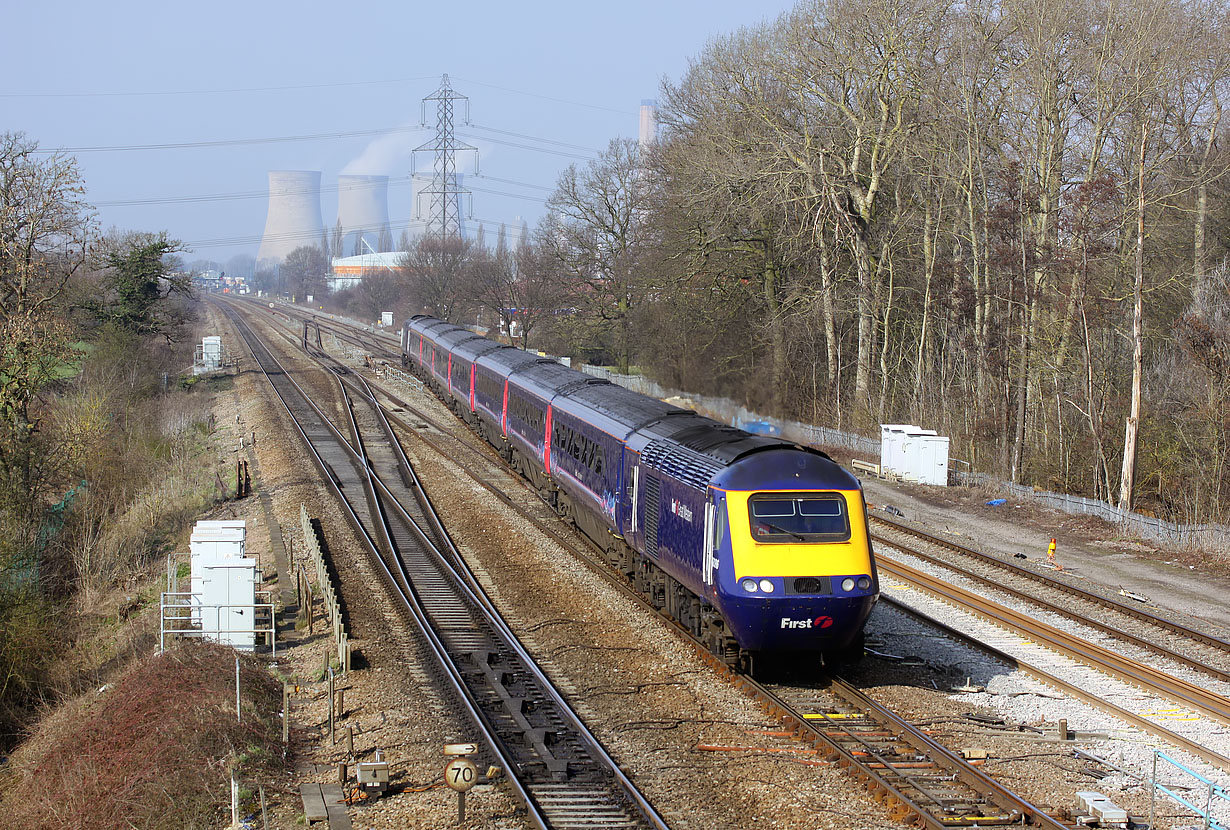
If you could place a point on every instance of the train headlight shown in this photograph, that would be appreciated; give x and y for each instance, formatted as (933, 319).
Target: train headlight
(749, 585)
(766, 586)
(864, 582)
(847, 584)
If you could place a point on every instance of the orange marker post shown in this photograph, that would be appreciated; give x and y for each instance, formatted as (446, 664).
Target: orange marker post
(1050, 557)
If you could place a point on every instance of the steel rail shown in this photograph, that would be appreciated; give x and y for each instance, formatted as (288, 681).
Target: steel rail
(409, 603)
(1072, 689)
(1103, 659)
(883, 782)
(477, 594)
(1106, 628)
(953, 812)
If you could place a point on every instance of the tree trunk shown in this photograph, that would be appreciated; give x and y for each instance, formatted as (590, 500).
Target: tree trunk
(866, 324)
(777, 329)
(827, 312)
(1198, 244)
(928, 274)
(1131, 428)
(884, 379)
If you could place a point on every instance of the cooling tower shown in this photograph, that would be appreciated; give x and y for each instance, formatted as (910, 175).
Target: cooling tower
(649, 122)
(294, 213)
(363, 211)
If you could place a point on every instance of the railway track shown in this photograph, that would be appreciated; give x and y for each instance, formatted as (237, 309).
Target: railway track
(921, 781)
(1129, 621)
(1105, 648)
(1130, 624)
(556, 766)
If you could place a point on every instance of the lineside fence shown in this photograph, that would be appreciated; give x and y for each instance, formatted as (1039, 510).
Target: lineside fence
(341, 639)
(1207, 799)
(723, 409)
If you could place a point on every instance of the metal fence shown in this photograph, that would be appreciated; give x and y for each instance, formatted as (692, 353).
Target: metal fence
(1211, 537)
(182, 614)
(1207, 799)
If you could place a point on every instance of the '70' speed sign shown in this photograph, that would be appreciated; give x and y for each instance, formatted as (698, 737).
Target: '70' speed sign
(461, 774)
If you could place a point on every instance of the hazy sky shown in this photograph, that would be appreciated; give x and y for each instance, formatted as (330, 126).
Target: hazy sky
(131, 74)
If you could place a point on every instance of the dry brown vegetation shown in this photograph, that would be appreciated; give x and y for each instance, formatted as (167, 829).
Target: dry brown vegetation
(155, 749)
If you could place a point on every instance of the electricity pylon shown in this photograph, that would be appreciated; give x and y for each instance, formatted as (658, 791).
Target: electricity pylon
(444, 219)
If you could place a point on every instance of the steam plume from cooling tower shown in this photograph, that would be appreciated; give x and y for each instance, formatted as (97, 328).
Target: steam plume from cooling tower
(363, 211)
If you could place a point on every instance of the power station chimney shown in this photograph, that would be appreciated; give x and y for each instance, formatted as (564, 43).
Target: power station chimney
(363, 212)
(293, 219)
(649, 122)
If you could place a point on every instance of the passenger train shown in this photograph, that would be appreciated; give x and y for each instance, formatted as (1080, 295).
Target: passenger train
(758, 546)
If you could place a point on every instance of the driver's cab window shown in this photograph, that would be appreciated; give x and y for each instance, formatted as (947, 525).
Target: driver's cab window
(798, 517)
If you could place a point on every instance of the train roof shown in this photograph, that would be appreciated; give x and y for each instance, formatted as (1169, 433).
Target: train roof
(471, 350)
(430, 326)
(508, 359)
(544, 379)
(452, 339)
(623, 405)
(696, 449)
(784, 468)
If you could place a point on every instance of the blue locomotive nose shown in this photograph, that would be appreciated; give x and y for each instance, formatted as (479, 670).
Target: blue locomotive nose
(801, 575)
(797, 624)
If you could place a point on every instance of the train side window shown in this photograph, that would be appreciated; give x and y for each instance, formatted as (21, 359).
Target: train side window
(721, 521)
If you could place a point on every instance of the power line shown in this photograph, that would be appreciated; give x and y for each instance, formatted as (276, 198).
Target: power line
(313, 238)
(247, 194)
(208, 91)
(393, 181)
(549, 98)
(511, 195)
(182, 145)
(241, 142)
(510, 181)
(527, 147)
(535, 138)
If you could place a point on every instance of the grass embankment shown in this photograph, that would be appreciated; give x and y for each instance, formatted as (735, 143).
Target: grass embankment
(153, 750)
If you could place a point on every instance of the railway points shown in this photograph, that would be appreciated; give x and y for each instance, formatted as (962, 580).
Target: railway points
(528, 728)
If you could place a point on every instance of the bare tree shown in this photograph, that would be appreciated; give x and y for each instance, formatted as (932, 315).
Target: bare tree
(593, 231)
(45, 225)
(435, 273)
(304, 272)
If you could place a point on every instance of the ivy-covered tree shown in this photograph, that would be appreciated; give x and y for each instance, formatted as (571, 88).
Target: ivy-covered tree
(140, 274)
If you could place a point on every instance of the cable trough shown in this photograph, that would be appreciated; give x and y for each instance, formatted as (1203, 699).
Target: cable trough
(556, 766)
